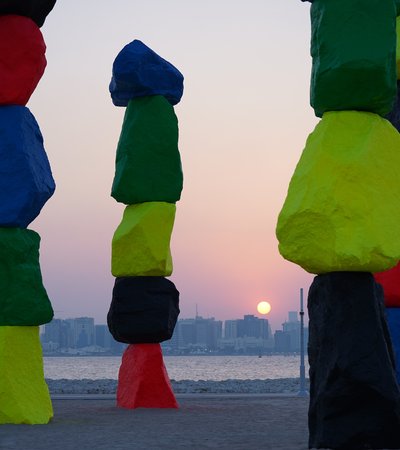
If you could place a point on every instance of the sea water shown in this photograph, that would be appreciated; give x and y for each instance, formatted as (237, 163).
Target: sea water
(216, 368)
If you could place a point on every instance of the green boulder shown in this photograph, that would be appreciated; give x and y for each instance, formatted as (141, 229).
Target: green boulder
(148, 164)
(342, 209)
(23, 299)
(353, 46)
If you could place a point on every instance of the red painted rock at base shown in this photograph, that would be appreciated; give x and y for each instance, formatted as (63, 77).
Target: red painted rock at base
(143, 381)
(22, 59)
(390, 281)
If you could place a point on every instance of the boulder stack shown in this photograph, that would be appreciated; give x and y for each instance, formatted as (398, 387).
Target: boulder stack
(148, 179)
(340, 221)
(26, 183)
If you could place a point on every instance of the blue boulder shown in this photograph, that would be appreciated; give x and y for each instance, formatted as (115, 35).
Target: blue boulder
(393, 320)
(138, 72)
(26, 182)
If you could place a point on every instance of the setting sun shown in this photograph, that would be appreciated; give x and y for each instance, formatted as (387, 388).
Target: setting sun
(263, 307)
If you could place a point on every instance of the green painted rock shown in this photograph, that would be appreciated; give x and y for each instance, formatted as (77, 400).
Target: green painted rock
(24, 396)
(398, 47)
(148, 164)
(342, 209)
(353, 46)
(23, 299)
(140, 246)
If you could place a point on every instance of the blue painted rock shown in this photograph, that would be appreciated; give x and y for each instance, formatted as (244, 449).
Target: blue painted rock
(138, 71)
(394, 116)
(37, 10)
(22, 59)
(393, 320)
(148, 164)
(23, 299)
(143, 310)
(26, 182)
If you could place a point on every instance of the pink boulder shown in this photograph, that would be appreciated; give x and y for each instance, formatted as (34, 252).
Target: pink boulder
(390, 281)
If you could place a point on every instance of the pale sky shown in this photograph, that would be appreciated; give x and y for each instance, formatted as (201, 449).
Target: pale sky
(244, 119)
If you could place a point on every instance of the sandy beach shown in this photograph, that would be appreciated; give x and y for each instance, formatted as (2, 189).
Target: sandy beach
(234, 421)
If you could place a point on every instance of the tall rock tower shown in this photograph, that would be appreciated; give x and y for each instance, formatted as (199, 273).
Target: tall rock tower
(148, 179)
(26, 183)
(340, 220)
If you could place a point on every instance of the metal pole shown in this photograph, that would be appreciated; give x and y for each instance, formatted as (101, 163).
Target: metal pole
(303, 391)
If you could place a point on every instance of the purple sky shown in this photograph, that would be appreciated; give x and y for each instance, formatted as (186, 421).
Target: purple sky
(244, 119)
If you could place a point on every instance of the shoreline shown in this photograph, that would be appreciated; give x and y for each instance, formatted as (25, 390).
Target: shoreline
(232, 386)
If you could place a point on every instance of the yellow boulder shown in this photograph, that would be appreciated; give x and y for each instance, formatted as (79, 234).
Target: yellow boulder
(342, 210)
(141, 243)
(24, 396)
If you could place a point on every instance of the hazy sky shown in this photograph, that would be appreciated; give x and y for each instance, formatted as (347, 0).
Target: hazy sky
(244, 119)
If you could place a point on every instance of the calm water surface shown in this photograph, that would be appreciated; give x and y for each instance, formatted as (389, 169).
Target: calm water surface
(216, 368)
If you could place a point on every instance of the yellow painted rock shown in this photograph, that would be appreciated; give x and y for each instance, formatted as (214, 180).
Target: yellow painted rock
(342, 210)
(140, 246)
(24, 396)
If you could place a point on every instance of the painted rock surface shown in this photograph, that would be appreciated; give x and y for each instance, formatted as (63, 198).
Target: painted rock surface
(342, 210)
(26, 181)
(390, 281)
(138, 72)
(143, 380)
(23, 299)
(37, 10)
(22, 59)
(148, 164)
(141, 243)
(143, 310)
(354, 396)
(353, 46)
(393, 320)
(24, 396)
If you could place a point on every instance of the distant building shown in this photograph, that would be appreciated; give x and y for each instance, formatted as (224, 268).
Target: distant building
(288, 339)
(199, 333)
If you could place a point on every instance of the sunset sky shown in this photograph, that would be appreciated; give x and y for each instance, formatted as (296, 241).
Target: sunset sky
(244, 119)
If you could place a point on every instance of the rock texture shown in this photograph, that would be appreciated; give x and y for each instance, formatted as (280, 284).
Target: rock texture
(143, 380)
(37, 10)
(22, 59)
(138, 72)
(26, 182)
(23, 299)
(24, 396)
(141, 243)
(393, 320)
(390, 282)
(143, 310)
(148, 164)
(394, 116)
(354, 56)
(341, 212)
(354, 397)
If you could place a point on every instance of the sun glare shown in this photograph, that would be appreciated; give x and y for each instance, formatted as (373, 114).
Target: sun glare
(263, 307)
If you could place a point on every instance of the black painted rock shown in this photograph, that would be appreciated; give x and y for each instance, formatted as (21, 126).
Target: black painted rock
(37, 10)
(394, 116)
(143, 310)
(354, 397)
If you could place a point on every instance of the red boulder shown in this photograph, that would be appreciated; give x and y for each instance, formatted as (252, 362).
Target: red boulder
(143, 380)
(390, 281)
(22, 59)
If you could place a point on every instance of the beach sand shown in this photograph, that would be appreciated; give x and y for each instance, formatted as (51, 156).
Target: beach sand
(203, 421)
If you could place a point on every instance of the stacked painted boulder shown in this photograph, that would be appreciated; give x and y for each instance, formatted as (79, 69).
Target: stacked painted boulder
(390, 279)
(26, 183)
(148, 179)
(340, 221)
